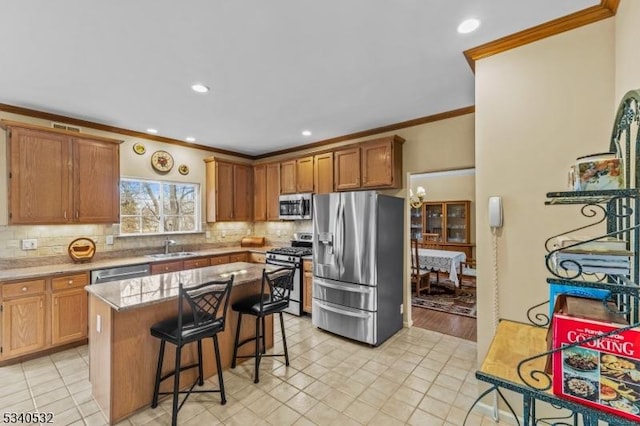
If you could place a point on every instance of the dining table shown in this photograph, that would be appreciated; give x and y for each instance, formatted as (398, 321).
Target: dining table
(443, 261)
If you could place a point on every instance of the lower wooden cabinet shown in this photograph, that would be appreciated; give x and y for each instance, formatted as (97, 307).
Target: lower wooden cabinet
(43, 313)
(164, 267)
(307, 290)
(239, 257)
(219, 260)
(200, 262)
(23, 322)
(257, 257)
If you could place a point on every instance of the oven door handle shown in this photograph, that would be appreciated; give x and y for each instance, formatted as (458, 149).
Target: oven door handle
(341, 287)
(340, 311)
(281, 263)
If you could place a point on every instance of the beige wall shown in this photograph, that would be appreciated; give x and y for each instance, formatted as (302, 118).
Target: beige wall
(627, 60)
(538, 107)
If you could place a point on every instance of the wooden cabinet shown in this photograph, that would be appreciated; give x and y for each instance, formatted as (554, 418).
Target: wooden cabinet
(200, 262)
(323, 173)
(56, 176)
(266, 187)
(296, 176)
(23, 317)
(371, 164)
(346, 169)
(381, 163)
(239, 257)
(307, 287)
(257, 257)
(449, 219)
(219, 260)
(164, 267)
(229, 188)
(69, 308)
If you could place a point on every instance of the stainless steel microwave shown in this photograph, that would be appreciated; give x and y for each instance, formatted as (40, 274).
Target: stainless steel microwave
(295, 206)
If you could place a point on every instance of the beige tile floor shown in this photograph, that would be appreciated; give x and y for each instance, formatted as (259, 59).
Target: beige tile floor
(418, 377)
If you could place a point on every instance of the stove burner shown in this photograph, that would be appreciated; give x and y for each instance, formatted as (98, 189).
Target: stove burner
(292, 251)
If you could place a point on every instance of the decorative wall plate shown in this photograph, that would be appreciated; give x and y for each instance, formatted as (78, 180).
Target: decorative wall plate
(139, 149)
(162, 161)
(183, 169)
(82, 249)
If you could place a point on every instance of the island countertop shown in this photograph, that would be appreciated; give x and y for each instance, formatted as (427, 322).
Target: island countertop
(138, 292)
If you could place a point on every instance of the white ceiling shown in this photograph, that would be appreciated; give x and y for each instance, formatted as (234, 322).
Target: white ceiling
(275, 67)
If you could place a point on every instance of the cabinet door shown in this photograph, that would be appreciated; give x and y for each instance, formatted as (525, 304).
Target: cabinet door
(224, 191)
(23, 325)
(219, 260)
(257, 258)
(69, 316)
(346, 169)
(416, 224)
(434, 219)
(307, 291)
(161, 268)
(288, 177)
(376, 163)
(260, 193)
(304, 174)
(96, 177)
(323, 173)
(239, 257)
(196, 263)
(39, 177)
(242, 192)
(457, 222)
(273, 191)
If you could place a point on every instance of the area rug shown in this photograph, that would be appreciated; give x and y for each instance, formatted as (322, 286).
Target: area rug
(442, 298)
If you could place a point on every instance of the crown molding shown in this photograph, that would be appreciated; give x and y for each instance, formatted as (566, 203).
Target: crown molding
(606, 9)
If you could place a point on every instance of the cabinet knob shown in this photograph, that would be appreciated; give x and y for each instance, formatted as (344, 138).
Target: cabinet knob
(70, 282)
(24, 289)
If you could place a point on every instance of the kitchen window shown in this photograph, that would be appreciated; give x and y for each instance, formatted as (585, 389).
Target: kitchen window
(158, 207)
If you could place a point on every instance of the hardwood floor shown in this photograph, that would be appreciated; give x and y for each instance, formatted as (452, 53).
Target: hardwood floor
(451, 324)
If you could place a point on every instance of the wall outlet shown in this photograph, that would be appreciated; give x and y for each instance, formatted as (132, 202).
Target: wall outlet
(401, 308)
(223, 234)
(109, 240)
(207, 234)
(279, 232)
(30, 244)
(248, 231)
(98, 323)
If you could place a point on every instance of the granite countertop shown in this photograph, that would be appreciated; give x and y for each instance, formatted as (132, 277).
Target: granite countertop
(138, 292)
(66, 268)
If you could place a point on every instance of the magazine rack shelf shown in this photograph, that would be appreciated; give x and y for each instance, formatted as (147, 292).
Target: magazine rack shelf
(613, 215)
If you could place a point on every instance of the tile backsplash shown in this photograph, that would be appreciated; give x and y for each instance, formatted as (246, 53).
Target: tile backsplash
(53, 240)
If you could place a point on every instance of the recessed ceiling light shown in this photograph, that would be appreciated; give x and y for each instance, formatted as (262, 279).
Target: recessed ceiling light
(306, 133)
(468, 26)
(154, 131)
(200, 88)
(190, 139)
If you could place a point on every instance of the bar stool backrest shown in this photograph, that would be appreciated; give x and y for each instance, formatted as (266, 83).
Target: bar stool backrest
(205, 301)
(278, 283)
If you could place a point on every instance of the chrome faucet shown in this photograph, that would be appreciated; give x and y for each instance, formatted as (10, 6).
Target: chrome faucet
(168, 243)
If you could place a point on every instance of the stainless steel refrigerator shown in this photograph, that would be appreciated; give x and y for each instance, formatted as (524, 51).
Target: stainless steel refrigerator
(357, 264)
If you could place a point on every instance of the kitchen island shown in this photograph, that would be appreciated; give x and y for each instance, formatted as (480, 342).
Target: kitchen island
(122, 353)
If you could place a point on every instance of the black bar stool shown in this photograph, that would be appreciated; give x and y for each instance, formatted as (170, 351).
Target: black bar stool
(273, 298)
(203, 318)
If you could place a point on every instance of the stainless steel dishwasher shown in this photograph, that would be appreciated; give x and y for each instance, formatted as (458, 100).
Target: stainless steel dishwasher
(119, 273)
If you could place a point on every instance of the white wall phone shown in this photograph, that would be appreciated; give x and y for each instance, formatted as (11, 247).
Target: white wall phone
(495, 212)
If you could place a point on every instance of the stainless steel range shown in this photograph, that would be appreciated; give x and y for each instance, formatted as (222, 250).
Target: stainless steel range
(292, 256)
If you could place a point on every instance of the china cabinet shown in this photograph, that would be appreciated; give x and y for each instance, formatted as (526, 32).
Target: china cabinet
(449, 219)
(415, 233)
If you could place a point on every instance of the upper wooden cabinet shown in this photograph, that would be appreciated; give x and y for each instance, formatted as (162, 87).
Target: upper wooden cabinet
(371, 164)
(296, 176)
(57, 176)
(266, 188)
(323, 173)
(346, 169)
(229, 191)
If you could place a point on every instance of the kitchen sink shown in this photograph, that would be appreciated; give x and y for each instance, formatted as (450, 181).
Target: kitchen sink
(172, 255)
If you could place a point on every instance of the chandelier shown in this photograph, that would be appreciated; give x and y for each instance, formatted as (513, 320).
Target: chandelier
(418, 200)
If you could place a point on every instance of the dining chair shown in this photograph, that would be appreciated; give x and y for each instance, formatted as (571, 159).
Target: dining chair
(419, 277)
(468, 271)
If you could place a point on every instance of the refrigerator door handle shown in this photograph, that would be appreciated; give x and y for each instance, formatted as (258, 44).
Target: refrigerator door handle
(340, 236)
(341, 312)
(341, 287)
